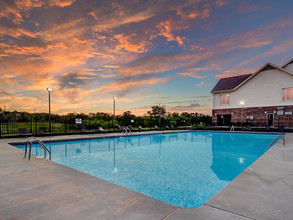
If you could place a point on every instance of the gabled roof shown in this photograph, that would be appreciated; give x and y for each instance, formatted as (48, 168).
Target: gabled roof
(233, 83)
(229, 83)
(291, 61)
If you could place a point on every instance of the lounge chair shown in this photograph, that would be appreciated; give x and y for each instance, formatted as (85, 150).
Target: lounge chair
(101, 129)
(268, 128)
(130, 128)
(23, 131)
(43, 130)
(119, 128)
(167, 127)
(156, 127)
(172, 127)
(140, 128)
(247, 128)
(83, 129)
(281, 128)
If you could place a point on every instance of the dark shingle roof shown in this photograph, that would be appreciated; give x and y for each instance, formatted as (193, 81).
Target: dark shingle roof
(229, 83)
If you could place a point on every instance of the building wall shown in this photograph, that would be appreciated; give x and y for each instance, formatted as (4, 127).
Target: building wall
(264, 89)
(259, 115)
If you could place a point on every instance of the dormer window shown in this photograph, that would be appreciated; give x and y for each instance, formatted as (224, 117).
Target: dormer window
(287, 94)
(224, 99)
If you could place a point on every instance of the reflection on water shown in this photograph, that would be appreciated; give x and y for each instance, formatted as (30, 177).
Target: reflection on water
(184, 169)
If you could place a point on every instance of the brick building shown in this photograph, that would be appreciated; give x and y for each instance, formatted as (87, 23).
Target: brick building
(262, 98)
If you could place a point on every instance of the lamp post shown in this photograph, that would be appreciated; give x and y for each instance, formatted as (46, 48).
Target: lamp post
(160, 109)
(241, 103)
(114, 99)
(50, 90)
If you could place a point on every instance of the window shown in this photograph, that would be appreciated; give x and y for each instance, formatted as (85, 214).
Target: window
(287, 94)
(224, 99)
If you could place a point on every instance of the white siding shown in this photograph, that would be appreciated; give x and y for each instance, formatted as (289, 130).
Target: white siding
(289, 67)
(264, 89)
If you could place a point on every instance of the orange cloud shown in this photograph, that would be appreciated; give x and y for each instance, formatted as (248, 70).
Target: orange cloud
(220, 3)
(193, 75)
(126, 43)
(166, 28)
(61, 3)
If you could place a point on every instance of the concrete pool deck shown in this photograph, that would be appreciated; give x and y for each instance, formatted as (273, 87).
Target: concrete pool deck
(43, 189)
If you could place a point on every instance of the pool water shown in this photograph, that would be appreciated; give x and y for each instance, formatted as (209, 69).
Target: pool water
(185, 169)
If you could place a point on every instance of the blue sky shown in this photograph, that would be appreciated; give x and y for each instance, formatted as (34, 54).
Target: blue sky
(144, 52)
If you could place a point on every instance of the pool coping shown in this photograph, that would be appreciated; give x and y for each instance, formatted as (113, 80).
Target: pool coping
(268, 182)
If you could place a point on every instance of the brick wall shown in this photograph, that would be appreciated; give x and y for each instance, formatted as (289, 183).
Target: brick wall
(259, 115)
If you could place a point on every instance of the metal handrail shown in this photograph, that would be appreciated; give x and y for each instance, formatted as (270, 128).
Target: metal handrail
(277, 139)
(31, 140)
(232, 128)
(126, 130)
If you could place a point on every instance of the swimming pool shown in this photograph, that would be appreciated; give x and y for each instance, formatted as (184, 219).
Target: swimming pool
(184, 169)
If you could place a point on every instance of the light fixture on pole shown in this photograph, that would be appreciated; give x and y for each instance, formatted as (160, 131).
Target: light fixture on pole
(241, 103)
(50, 90)
(160, 109)
(114, 99)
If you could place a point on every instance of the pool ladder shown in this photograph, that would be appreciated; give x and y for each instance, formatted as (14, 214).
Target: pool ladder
(279, 137)
(126, 130)
(31, 140)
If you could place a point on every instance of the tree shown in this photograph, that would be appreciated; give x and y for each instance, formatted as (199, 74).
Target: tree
(185, 114)
(157, 110)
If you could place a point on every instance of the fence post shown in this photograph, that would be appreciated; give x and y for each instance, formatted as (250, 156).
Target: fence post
(65, 126)
(36, 125)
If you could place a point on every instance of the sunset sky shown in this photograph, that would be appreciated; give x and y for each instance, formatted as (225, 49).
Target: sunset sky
(145, 52)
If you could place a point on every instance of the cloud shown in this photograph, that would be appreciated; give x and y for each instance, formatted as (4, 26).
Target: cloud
(202, 84)
(220, 3)
(164, 98)
(193, 75)
(17, 10)
(79, 78)
(4, 93)
(180, 108)
(124, 86)
(172, 26)
(155, 64)
(127, 43)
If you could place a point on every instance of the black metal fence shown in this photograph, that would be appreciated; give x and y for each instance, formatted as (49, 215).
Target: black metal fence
(10, 127)
(13, 128)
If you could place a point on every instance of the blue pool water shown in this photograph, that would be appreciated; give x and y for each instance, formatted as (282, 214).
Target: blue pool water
(184, 169)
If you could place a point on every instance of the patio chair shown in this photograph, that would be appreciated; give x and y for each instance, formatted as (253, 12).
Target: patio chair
(140, 128)
(101, 129)
(167, 127)
(172, 127)
(156, 127)
(43, 130)
(23, 131)
(119, 128)
(247, 128)
(83, 129)
(130, 128)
